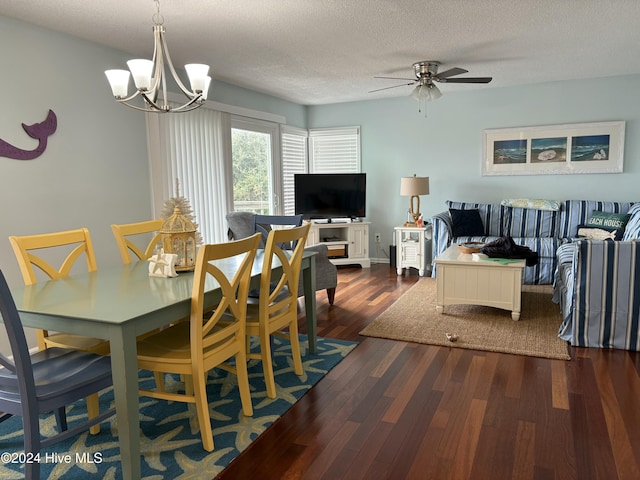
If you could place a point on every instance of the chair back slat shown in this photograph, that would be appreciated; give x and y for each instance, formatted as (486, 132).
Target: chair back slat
(29, 249)
(24, 247)
(279, 292)
(234, 291)
(126, 246)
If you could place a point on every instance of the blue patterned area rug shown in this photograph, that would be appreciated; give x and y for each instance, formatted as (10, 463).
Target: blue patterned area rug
(170, 441)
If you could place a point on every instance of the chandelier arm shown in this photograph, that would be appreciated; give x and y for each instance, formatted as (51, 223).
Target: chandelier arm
(157, 59)
(194, 103)
(142, 109)
(153, 103)
(165, 50)
(130, 97)
(155, 108)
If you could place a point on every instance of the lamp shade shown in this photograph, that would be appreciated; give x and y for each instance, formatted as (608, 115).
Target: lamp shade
(119, 81)
(410, 186)
(197, 73)
(141, 71)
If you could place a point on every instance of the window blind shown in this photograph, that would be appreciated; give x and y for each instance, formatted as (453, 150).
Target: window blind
(334, 150)
(294, 160)
(192, 149)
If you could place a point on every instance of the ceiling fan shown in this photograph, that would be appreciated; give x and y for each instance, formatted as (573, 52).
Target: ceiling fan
(426, 73)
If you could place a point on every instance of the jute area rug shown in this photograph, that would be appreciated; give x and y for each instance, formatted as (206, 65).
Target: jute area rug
(413, 318)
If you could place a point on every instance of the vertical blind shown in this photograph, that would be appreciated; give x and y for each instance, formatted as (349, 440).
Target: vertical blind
(194, 149)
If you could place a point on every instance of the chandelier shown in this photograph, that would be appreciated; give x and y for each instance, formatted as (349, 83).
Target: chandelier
(150, 76)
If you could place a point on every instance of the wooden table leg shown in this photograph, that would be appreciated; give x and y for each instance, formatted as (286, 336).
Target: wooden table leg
(309, 286)
(124, 364)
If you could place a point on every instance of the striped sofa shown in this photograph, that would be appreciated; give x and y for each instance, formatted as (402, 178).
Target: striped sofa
(598, 289)
(595, 282)
(541, 228)
(536, 228)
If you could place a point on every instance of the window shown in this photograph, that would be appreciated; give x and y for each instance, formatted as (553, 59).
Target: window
(294, 160)
(256, 184)
(330, 150)
(334, 150)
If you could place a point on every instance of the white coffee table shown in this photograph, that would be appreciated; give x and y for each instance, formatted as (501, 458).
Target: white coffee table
(462, 280)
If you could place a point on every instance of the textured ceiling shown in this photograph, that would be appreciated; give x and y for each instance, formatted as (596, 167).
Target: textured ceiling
(326, 51)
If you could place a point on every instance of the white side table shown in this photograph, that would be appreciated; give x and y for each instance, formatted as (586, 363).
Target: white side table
(411, 248)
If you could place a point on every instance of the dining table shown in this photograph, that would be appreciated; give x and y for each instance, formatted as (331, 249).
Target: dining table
(121, 302)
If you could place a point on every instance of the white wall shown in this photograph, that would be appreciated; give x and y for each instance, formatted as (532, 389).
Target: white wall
(447, 145)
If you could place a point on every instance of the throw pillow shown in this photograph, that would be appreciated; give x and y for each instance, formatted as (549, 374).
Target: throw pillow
(596, 233)
(609, 221)
(466, 223)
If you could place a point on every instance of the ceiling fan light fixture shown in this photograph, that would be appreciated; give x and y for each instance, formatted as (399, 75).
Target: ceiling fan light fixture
(426, 93)
(435, 92)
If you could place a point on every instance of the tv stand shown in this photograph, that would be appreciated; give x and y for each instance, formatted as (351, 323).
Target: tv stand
(348, 243)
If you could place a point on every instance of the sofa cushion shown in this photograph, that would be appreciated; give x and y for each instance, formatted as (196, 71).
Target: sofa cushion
(491, 215)
(632, 230)
(537, 203)
(529, 222)
(466, 222)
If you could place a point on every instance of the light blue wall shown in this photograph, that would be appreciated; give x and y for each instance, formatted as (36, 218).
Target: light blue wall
(95, 170)
(447, 145)
(295, 114)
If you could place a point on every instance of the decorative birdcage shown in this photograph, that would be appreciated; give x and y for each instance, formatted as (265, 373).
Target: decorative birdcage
(179, 236)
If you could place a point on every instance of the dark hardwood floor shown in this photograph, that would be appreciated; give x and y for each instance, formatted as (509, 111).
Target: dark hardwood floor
(396, 410)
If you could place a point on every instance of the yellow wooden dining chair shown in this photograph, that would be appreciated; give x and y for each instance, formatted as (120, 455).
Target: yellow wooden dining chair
(277, 305)
(126, 246)
(79, 241)
(193, 348)
(123, 233)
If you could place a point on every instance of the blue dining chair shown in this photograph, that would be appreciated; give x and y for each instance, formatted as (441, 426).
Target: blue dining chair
(45, 382)
(245, 224)
(262, 223)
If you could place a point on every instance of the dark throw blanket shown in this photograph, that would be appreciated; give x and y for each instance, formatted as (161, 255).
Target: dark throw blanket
(505, 247)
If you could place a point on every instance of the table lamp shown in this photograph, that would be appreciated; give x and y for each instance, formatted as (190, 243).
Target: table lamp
(414, 187)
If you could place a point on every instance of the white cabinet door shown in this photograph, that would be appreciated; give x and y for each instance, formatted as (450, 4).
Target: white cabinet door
(314, 236)
(359, 241)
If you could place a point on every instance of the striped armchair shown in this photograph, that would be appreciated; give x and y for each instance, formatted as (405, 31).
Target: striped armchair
(598, 289)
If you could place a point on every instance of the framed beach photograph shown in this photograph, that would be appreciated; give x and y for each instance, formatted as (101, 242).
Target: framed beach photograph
(555, 149)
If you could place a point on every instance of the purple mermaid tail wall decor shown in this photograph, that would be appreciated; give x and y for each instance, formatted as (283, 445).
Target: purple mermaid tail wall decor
(40, 131)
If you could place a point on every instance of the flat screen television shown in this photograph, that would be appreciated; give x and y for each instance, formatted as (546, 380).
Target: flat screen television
(330, 195)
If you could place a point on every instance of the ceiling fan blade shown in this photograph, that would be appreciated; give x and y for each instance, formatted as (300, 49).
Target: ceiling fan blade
(398, 78)
(451, 72)
(394, 86)
(466, 80)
